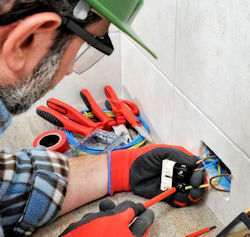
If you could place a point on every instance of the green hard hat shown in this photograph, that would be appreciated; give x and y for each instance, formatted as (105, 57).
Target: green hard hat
(121, 13)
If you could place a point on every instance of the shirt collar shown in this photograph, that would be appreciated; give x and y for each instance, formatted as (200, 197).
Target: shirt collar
(5, 118)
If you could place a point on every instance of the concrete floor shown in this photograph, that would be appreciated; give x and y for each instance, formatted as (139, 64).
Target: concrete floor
(169, 221)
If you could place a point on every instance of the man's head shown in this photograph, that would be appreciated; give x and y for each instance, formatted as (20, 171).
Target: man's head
(39, 40)
(36, 52)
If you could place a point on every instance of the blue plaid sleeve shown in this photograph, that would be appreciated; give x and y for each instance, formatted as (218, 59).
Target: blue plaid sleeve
(32, 190)
(1, 230)
(5, 117)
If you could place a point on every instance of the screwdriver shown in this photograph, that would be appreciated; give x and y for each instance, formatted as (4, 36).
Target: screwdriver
(159, 198)
(201, 232)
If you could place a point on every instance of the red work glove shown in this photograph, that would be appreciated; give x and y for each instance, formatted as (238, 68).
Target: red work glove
(113, 221)
(140, 170)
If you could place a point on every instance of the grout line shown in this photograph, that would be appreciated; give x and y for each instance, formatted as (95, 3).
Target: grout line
(141, 51)
(211, 121)
(185, 96)
(147, 59)
(174, 74)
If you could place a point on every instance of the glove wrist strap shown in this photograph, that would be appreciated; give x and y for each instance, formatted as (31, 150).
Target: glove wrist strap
(109, 173)
(118, 171)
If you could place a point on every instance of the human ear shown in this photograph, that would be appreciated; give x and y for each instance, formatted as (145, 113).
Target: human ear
(29, 40)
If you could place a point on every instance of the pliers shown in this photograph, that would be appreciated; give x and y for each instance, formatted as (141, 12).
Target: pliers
(65, 116)
(117, 125)
(125, 110)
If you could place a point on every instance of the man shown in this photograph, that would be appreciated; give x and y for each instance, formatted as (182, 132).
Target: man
(39, 41)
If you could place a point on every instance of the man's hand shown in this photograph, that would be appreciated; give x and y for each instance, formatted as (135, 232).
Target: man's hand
(113, 221)
(140, 170)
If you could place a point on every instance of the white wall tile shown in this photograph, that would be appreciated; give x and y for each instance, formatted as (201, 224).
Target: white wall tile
(155, 25)
(148, 87)
(190, 127)
(105, 72)
(212, 62)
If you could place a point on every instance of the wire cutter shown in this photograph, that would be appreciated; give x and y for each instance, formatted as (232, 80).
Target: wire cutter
(65, 116)
(118, 125)
(125, 110)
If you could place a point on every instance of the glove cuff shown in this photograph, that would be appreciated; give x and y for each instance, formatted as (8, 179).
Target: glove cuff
(118, 171)
(109, 173)
(119, 164)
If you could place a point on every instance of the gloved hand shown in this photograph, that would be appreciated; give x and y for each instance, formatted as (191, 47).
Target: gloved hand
(140, 170)
(113, 221)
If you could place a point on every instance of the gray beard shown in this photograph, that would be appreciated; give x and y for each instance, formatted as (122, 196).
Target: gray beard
(19, 97)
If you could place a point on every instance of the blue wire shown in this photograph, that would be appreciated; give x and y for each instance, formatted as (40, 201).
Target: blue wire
(210, 164)
(73, 142)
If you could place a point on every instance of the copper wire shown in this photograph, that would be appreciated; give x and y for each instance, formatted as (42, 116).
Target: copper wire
(217, 176)
(206, 158)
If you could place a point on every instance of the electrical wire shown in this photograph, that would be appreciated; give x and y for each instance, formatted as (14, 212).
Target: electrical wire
(137, 142)
(216, 176)
(204, 159)
(210, 164)
(207, 185)
(211, 182)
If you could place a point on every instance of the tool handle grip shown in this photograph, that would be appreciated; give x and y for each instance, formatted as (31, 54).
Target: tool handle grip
(201, 232)
(118, 116)
(123, 113)
(96, 109)
(110, 93)
(122, 107)
(59, 120)
(71, 113)
(159, 197)
(134, 108)
(130, 116)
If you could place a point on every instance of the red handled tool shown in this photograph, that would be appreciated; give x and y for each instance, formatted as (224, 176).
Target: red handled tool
(64, 116)
(72, 113)
(159, 197)
(118, 125)
(201, 232)
(126, 109)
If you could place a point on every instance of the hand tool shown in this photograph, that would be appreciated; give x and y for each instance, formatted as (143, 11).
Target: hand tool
(126, 109)
(201, 232)
(63, 115)
(159, 197)
(118, 125)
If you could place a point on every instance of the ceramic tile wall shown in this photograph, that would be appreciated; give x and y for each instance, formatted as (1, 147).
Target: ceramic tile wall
(198, 90)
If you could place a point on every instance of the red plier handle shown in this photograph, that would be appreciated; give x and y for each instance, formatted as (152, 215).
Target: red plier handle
(72, 113)
(125, 108)
(97, 110)
(61, 121)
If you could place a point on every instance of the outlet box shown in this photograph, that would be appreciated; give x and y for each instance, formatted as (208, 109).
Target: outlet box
(223, 183)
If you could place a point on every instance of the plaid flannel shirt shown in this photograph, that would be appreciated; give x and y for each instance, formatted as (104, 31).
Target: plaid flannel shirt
(32, 186)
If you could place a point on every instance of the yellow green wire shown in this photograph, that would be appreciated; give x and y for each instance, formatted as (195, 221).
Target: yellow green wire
(207, 185)
(110, 114)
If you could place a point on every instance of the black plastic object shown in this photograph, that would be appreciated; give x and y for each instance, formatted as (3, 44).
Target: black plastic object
(240, 226)
(50, 118)
(181, 176)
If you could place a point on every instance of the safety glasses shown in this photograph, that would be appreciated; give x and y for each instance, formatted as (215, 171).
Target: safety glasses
(86, 58)
(92, 51)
